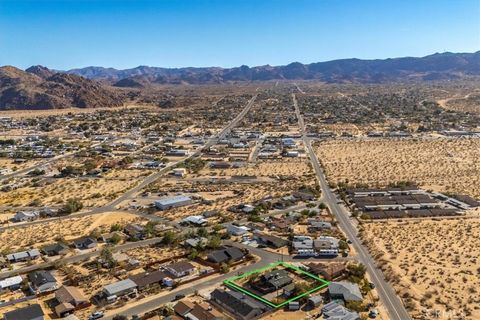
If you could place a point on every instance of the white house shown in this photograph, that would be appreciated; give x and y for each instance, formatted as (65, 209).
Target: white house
(21, 216)
(237, 230)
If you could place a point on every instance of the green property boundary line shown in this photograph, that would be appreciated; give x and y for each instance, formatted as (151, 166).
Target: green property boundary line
(230, 283)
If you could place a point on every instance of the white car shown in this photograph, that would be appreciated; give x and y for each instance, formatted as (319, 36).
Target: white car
(96, 315)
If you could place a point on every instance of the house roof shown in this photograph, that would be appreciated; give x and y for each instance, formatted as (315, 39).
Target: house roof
(227, 254)
(349, 291)
(83, 242)
(70, 294)
(172, 200)
(23, 254)
(56, 247)
(218, 256)
(335, 311)
(31, 312)
(180, 267)
(119, 286)
(277, 278)
(12, 281)
(183, 307)
(63, 307)
(237, 301)
(205, 311)
(38, 278)
(147, 278)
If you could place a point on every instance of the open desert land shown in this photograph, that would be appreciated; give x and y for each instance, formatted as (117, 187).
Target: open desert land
(19, 114)
(271, 168)
(446, 165)
(12, 166)
(12, 240)
(91, 191)
(433, 265)
(467, 103)
(147, 255)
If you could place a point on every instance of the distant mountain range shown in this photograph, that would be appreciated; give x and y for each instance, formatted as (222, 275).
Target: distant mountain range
(41, 88)
(438, 66)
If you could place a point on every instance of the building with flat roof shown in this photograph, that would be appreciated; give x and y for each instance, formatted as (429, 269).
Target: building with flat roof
(172, 202)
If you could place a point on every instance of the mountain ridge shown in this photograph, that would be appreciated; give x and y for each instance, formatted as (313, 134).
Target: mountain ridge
(450, 65)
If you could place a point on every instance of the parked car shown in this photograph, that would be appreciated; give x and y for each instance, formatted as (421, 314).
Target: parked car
(179, 296)
(96, 315)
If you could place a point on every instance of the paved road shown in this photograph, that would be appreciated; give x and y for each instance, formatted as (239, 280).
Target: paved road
(79, 257)
(387, 295)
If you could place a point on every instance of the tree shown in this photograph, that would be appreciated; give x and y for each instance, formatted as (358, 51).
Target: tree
(214, 242)
(202, 232)
(72, 205)
(169, 237)
(224, 268)
(115, 239)
(193, 254)
(106, 255)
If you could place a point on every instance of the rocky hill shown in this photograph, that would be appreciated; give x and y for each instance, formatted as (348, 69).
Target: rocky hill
(41, 88)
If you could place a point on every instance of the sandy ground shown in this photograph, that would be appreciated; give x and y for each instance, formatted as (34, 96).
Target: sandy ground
(91, 191)
(440, 164)
(432, 264)
(55, 112)
(42, 234)
(11, 165)
(150, 254)
(284, 167)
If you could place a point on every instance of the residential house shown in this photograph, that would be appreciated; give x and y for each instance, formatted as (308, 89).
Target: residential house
(318, 225)
(238, 304)
(328, 271)
(71, 295)
(182, 308)
(232, 254)
(195, 221)
(270, 240)
(146, 280)
(302, 244)
(120, 288)
(280, 224)
(204, 311)
(335, 311)
(42, 281)
(31, 312)
(326, 246)
(194, 242)
(22, 216)
(180, 269)
(12, 283)
(237, 230)
(85, 243)
(135, 231)
(303, 195)
(23, 256)
(273, 281)
(55, 249)
(346, 291)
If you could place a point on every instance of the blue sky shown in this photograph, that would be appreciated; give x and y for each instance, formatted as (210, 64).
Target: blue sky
(168, 33)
